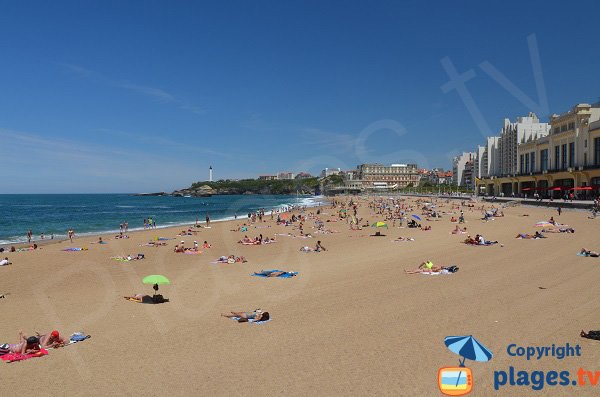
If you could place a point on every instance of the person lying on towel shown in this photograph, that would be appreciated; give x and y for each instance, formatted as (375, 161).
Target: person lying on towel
(271, 273)
(139, 298)
(51, 340)
(244, 317)
(587, 252)
(590, 335)
(25, 345)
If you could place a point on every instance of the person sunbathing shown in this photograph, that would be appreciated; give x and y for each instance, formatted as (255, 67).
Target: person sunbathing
(563, 229)
(590, 335)
(530, 236)
(51, 340)
(244, 317)
(5, 262)
(25, 345)
(425, 267)
(246, 240)
(179, 248)
(453, 219)
(458, 230)
(426, 228)
(404, 239)
(271, 273)
(129, 257)
(139, 298)
(587, 252)
(154, 243)
(470, 240)
(206, 245)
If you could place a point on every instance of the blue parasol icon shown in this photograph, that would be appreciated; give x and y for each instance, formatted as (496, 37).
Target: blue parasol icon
(416, 217)
(469, 348)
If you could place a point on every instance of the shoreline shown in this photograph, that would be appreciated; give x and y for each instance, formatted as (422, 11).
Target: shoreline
(111, 233)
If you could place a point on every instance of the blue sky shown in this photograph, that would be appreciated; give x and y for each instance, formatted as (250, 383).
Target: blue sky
(119, 96)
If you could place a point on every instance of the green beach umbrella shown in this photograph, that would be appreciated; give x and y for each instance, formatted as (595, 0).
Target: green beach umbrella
(380, 224)
(155, 279)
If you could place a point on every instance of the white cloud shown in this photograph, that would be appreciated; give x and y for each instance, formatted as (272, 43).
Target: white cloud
(148, 91)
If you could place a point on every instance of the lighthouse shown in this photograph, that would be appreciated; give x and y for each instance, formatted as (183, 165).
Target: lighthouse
(210, 173)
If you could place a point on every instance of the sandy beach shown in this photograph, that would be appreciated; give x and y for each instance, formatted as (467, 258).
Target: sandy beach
(351, 323)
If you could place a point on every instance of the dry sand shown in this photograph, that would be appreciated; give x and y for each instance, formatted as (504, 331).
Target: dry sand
(351, 323)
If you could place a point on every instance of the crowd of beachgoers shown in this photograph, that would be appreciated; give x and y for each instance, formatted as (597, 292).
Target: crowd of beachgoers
(373, 217)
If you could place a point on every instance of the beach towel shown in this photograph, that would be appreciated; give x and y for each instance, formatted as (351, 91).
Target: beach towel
(580, 254)
(192, 252)
(75, 249)
(251, 321)
(443, 272)
(12, 357)
(284, 275)
(77, 337)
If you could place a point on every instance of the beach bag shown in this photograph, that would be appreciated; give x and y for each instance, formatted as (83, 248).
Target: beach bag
(452, 269)
(158, 299)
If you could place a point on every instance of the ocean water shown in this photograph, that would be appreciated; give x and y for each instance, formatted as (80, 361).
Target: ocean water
(100, 213)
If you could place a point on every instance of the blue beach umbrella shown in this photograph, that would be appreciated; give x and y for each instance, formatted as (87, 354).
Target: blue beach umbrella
(468, 347)
(417, 217)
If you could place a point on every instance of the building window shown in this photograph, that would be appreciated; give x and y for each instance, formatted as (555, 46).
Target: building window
(532, 162)
(563, 128)
(572, 125)
(556, 130)
(556, 157)
(544, 160)
(597, 151)
(563, 163)
(526, 163)
(584, 159)
(585, 143)
(571, 154)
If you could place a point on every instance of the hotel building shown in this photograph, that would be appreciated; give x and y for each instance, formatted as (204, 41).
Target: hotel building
(566, 159)
(379, 175)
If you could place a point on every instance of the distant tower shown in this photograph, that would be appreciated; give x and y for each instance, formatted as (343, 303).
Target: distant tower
(210, 173)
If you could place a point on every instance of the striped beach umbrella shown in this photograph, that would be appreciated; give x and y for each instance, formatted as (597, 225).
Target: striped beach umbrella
(468, 347)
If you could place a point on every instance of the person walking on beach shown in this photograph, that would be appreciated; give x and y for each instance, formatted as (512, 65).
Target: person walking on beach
(207, 220)
(29, 234)
(559, 210)
(154, 223)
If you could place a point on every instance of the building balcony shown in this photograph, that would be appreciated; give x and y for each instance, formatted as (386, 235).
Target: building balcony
(591, 167)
